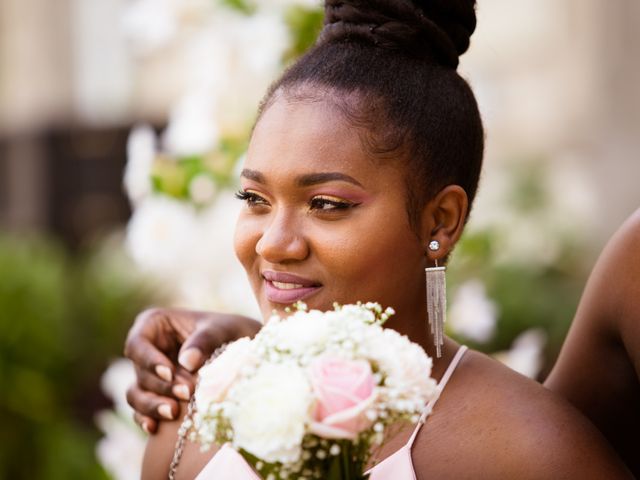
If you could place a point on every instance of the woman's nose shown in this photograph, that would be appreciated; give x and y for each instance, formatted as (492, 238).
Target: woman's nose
(282, 240)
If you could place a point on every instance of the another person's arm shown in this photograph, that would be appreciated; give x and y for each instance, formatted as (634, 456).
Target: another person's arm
(161, 448)
(167, 346)
(599, 365)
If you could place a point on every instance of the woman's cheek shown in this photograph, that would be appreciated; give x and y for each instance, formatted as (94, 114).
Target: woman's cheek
(245, 238)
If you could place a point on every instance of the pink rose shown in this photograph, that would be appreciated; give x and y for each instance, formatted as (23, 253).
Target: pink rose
(344, 390)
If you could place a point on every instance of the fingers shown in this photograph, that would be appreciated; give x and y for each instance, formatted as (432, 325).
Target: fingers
(148, 424)
(201, 344)
(151, 405)
(181, 388)
(154, 384)
(213, 330)
(147, 357)
(140, 347)
(184, 385)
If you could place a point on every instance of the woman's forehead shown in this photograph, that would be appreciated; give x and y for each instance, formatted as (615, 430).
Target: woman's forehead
(295, 134)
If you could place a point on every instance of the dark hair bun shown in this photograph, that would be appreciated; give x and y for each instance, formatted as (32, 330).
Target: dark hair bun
(435, 29)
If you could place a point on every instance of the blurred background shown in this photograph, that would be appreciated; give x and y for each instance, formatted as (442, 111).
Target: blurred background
(121, 126)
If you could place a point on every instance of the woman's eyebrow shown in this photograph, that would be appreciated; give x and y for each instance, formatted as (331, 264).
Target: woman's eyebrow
(253, 175)
(306, 180)
(316, 178)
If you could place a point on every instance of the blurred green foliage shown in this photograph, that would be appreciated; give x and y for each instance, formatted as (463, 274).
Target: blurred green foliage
(526, 297)
(247, 7)
(529, 292)
(304, 26)
(173, 176)
(62, 318)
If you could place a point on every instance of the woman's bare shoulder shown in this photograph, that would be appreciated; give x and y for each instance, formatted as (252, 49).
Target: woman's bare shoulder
(606, 325)
(610, 298)
(619, 267)
(494, 423)
(160, 449)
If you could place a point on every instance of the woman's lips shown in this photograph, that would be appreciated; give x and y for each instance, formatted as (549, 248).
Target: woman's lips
(287, 288)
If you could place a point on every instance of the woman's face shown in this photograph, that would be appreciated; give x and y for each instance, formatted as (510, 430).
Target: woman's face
(323, 222)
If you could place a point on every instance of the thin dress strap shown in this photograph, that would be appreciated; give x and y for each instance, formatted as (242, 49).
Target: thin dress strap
(443, 383)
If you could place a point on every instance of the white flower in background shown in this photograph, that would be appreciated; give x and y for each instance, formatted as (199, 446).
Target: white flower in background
(270, 412)
(261, 43)
(191, 252)
(192, 126)
(114, 383)
(202, 189)
(527, 239)
(571, 191)
(526, 353)
(223, 282)
(150, 24)
(121, 450)
(472, 313)
(160, 234)
(234, 58)
(141, 152)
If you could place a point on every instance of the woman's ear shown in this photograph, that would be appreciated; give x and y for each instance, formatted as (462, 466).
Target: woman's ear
(443, 220)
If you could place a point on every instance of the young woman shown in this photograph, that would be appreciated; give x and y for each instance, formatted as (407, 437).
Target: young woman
(366, 152)
(597, 371)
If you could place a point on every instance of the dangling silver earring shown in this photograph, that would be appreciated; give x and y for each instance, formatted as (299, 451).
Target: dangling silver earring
(436, 300)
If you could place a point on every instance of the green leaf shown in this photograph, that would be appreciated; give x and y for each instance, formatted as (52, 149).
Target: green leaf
(304, 26)
(244, 6)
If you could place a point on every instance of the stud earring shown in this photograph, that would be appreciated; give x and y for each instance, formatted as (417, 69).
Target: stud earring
(436, 300)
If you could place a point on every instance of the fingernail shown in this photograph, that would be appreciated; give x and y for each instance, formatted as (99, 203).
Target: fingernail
(190, 358)
(165, 411)
(164, 373)
(145, 427)
(181, 391)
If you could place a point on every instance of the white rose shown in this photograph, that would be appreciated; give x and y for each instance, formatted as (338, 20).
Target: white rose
(407, 366)
(217, 377)
(270, 411)
(301, 332)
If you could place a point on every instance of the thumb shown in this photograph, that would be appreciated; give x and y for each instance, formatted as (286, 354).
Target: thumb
(199, 346)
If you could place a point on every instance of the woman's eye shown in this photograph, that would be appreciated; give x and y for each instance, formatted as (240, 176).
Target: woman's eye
(251, 199)
(325, 204)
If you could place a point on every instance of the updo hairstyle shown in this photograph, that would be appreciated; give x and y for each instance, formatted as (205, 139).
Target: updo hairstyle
(389, 66)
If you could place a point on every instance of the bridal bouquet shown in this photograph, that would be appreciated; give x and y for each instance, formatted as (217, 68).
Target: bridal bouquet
(314, 393)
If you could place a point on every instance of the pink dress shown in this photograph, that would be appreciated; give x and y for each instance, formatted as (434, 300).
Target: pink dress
(228, 464)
